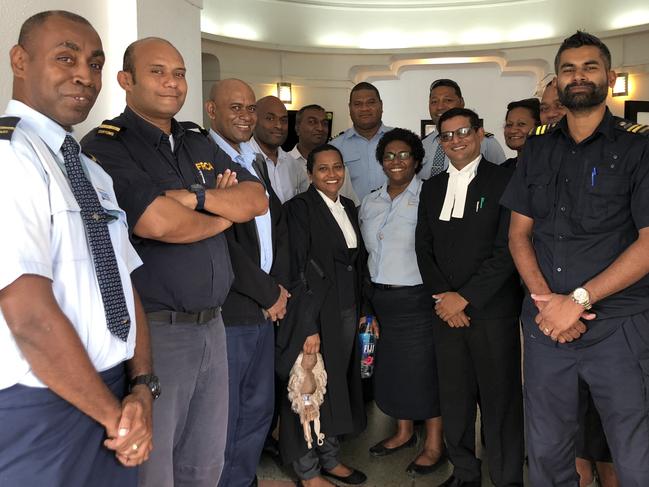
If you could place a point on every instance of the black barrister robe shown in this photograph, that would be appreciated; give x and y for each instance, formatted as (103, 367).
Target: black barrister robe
(321, 261)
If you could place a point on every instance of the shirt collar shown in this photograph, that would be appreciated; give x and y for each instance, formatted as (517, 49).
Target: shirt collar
(254, 145)
(414, 188)
(227, 148)
(352, 132)
(329, 203)
(606, 127)
(47, 129)
(470, 168)
(296, 154)
(150, 132)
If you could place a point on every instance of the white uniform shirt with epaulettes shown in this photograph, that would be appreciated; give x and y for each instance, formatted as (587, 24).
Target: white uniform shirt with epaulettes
(44, 235)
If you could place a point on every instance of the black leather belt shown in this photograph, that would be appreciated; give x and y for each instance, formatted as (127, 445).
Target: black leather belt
(386, 287)
(174, 317)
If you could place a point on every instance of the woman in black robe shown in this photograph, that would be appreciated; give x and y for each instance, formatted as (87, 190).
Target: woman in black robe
(328, 257)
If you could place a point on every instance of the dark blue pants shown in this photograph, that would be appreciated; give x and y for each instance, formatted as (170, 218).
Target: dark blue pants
(45, 441)
(616, 370)
(251, 379)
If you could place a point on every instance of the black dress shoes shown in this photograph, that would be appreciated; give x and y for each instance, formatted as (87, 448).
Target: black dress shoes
(355, 478)
(380, 450)
(415, 468)
(453, 481)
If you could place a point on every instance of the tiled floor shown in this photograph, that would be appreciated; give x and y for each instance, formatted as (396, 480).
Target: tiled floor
(381, 472)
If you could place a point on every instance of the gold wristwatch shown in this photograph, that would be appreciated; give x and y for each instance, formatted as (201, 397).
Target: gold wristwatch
(581, 296)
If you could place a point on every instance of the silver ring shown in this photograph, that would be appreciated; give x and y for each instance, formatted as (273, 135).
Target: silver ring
(134, 447)
(547, 330)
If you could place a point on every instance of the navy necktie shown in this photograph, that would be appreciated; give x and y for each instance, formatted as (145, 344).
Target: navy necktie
(95, 220)
(438, 161)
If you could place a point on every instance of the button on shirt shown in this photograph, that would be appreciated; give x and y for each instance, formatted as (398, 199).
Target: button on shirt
(45, 235)
(288, 177)
(189, 277)
(264, 223)
(388, 228)
(588, 201)
(359, 155)
(346, 190)
(489, 148)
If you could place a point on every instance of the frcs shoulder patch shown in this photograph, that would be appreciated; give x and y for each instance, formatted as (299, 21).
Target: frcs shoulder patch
(7, 127)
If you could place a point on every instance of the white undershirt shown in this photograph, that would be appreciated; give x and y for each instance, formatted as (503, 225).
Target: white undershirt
(339, 213)
(458, 183)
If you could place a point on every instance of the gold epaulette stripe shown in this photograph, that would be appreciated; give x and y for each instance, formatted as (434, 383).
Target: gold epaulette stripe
(4, 127)
(110, 127)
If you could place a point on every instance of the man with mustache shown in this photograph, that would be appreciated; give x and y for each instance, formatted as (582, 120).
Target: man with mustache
(312, 127)
(444, 95)
(73, 333)
(180, 193)
(579, 235)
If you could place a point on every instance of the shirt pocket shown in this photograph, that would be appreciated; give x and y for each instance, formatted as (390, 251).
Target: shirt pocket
(541, 190)
(607, 204)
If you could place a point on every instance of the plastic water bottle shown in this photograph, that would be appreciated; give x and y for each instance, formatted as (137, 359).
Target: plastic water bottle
(367, 341)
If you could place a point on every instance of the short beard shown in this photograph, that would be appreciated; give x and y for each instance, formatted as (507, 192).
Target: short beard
(582, 102)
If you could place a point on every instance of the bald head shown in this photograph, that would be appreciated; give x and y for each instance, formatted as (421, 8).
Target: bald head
(232, 110)
(128, 63)
(272, 123)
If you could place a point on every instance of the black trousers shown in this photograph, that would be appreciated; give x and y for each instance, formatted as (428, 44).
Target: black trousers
(482, 360)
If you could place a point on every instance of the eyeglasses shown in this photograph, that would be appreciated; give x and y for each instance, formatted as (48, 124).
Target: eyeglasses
(461, 133)
(403, 155)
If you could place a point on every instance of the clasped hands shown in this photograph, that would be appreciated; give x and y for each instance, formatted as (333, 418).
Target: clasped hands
(278, 310)
(450, 308)
(130, 436)
(560, 317)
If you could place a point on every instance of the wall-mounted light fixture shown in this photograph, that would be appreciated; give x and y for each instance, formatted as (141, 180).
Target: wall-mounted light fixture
(284, 92)
(621, 87)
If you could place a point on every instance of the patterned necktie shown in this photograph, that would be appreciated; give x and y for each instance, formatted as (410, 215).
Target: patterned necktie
(438, 161)
(95, 219)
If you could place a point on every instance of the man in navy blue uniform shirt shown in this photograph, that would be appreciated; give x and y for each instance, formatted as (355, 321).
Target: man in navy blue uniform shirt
(580, 240)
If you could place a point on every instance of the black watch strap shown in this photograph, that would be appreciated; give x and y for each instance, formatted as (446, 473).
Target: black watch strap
(149, 380)
(199, 191)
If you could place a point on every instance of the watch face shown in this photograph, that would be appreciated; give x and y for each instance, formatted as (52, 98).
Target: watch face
(154, 385)
(581, 294)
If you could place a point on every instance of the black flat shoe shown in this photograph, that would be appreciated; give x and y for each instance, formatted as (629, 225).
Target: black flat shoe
(380, 450)
(355, 478)
(415, 468)
(453, 481)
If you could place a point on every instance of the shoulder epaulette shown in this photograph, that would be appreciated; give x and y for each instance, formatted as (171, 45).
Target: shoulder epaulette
(542, 129)
(7, 126)
(91, 157)
(636, 128)
(338, 135)
(488, 134)
(109, 129)
(194, 127)
(376, 189)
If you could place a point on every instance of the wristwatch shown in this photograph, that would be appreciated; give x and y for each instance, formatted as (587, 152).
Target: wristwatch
(149, 380)
(581, 296)
(199, 191)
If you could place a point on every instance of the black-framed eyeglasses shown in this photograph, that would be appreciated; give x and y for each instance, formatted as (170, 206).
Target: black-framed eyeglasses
(461, 133)
(403, 155)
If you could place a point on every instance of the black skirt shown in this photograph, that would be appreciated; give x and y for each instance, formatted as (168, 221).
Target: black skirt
(405, 374)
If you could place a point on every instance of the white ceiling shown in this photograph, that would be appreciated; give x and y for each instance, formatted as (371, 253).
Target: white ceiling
(405, 24)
